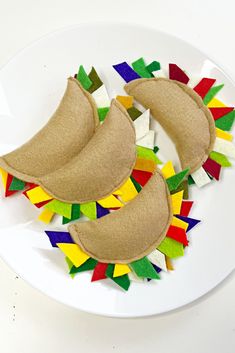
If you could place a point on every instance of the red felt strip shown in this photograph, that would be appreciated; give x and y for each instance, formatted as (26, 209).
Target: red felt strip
(220, 111)
(177, 234)
(41, 204)
(29, 186)
(175, 73)
(141, 177)
(213, 168)
(99, 272)
(203, 87)
(186, 208)
(8, 184)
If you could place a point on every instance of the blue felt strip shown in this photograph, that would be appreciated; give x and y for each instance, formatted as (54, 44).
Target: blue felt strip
(127, 73)
(59, 237)
(191, 222)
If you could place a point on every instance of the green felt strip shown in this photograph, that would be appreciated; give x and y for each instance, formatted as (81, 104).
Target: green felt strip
(190, 180)
(62, 208)
(220, 159)
(137, 185)
(122, 281)
(153, 66)
(174, 181)
(134, 113)
(140, 67)
(89, 210)
(144, 268)
(70, 266)
(156, 149)
(171, 248)
(90, 264)
(17, 184)
(147, 153)
(102, 112)
(226, 122)
(96, 81)
(212, 93)
(183, 186)
(74, 215)
(83, 78)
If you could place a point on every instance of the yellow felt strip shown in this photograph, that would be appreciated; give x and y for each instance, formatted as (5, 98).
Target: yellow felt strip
(215, 103)
(4, 175)
(169, 264)
(37, 195)
(120, 270)
(177, 201)
(168, 170)
(46, 216)
(117, 192)
(128, 191)
(75, 254)
(179, 223)
(110, 202)
(224, 134)
(145, 165)
(126, 101)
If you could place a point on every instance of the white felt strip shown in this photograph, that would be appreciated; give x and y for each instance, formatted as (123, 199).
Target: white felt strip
(158, 259)
(225, 147)
(200, 177)
(142, 124)
(148, 140)
(101, 97)
(160, 73)
(133, 277)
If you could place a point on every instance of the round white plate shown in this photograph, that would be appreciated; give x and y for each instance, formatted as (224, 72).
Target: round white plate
(31, 85)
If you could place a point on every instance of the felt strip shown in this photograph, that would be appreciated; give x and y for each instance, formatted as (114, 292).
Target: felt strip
(174, 181)
(61, 208)
(224, 147)
(183, 186)
(140, 67)
(41, 204)
(160, 73)
(186, 208)
(4, 175)
(70, 266)
(177, 202)
(17, 184)
(111, 153)
(63, 137)
(59, 237)
(88, 265)
(46, 216)
(144, 268)
(153, 66)
(220, 159)
(102, 112)
(120, 270)
(128, 191)
(110, 202)
(212, 167)
(190, 180)
(219, 112)
(155, 149)
(157, 258)
(9, 192)
(226, 122)
(118, 237)
(157, 269)
(171, 248)
(147, 140)
(200, 177)
(126, 101)
(169, 264)
(176, 73)
(223, 134)
(101, 211)
(141, 177)
(89, 210)
(122, 281)
(179, 223)
(101, 97)
(191, 221)
(134, 278)
(134, 113)
(145, 165)
(96, 81)
(37, 195)
(126, 72)
(75, 214)
(137, 185)
(168, 170)
(141, 124)
(177, 234)
(74, 253)
(212, 93)
(99, 272)
(83, 78)
(215, 103)
(193, 137)
(147, 153)
(203, 87)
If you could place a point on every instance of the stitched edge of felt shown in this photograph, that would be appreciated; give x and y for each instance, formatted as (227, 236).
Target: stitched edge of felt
(198, 100)
(74, 231)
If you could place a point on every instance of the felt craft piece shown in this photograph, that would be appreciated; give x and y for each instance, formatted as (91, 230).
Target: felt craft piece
(215, 103)
(101, 211)
(134, 113)
(224, 147)
(4, 175)
(171, 248)
(141, 177)
(203, 87)
(191, 222)
(75, 214)
(9, 180)
(123, 281)
(211, 94)
(168, 170)
(147, 140)
(134, 278)
(59, 237)
(88, 265)
(74, 253)
(142, 125)
(221, 111)
(95, 79)
(126, 101)
(177, 199)
(70, 266)
(179, 223)
(159, 73)
(128, 191)
(101, 167)
(177, 234)
(200, 177)
(220, 159)
(101, 97)
(120, 270)
(46, 216)
(89, 210)
(110, 202)
(169, 264)
(226, 122)
(176, 73)
(83, 78)
(145, 165)
(147, 153)
(137, 185)
(213, 168)
(175, 180)
(102, 112)
(192, 129)
(61, 208)
(126, 72)
(99, 272)
(63, 137)
(157, 258)
(223, 134)
(183, 186)
(37, 195)
(141, 69)
(17, 184)
(153, 66)
(186, 208)
(144, 268)
(121, 236)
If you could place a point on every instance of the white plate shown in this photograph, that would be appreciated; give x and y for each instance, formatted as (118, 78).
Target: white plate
(31, 85)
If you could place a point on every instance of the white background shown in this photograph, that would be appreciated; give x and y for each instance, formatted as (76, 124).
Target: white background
(31, 322)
